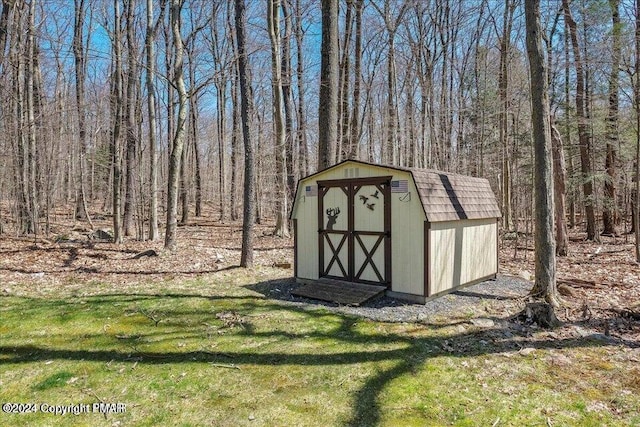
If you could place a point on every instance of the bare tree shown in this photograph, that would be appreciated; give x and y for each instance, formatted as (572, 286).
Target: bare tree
(246, 111)
(559, 191)
(391, 24)
(81, 211)
(116, 117)
(344, 80)
(152, 28)
(273, 24)
(545, 274)
(637, 107)
(503, 91)
(583, 124)
(31, 192)
(170, 241)
(301, 132)
(131, 123)
(610, 212)
(354, 138)
(328, 102)
(287, 101)
(4, 20)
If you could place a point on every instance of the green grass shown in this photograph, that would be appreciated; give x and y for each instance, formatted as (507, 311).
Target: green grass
(214, 351)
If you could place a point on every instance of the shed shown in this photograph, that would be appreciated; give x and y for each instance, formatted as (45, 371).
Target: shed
(419, 233)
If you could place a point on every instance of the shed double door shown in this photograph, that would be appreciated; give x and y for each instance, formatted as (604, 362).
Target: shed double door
(354, 217)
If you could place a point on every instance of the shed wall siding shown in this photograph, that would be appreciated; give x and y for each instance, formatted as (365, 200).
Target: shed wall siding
(307, 215)
(407, 247)
(461, 252)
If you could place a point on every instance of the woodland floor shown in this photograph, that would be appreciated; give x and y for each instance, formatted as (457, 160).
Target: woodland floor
(77, 313)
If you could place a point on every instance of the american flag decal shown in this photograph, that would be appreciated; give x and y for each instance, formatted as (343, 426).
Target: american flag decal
(400, 186)
(311, 191)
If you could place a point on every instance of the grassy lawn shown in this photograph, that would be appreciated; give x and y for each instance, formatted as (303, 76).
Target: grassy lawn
(213, 351)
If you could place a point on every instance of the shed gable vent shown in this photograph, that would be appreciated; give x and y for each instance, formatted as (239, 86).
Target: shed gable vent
(352, 172)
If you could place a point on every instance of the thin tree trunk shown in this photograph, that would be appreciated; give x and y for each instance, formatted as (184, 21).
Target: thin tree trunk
(559, 191)
(354, 139)
(567, 128)
(273, 23)
(196, 156)
(343, 86)
(545, 263)
(32, 192)
(246, 112)
(153, 123)
(132, 137)
(301, 134)
(4, 20)
(390, 151)
(116, 142)
(503, 90)
(287, 100)
(170, 241)
(637, 106)
(583, 126)
(221, 127)
(610, 212)
(328, 103)
(184, 184)
(79, 62)
(235, 144)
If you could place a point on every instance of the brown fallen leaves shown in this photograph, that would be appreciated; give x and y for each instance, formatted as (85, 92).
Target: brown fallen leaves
(600, 282)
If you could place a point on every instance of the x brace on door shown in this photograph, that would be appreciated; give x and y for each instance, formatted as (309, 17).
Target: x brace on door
(374, 201)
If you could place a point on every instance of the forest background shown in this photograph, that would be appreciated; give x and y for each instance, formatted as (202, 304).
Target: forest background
(133, 108)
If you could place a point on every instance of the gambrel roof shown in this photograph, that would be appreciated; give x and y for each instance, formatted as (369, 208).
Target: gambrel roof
(445, 196)
(448, 197)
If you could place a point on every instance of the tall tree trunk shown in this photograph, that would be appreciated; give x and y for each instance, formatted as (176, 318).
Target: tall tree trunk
(246, 112)
(116, 138)
(132, 136)
(343, 86)
(170, 240)
(328, 102)
(235, 144)
(79, 62)
(221, 134)
(4, 21)
(301, 133)
(545, 262)
(636, 214)
(196, 155)
(503, 91)
(354, 139)
(153, 122)
(390, 151)
(32, 191)
(184, 184)
(610, 212)
(273, 23)
(559, 191)
(583, 125)
(287, 100)
(567, 127)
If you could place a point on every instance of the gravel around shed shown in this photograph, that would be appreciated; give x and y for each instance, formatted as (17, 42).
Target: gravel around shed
(466, 302)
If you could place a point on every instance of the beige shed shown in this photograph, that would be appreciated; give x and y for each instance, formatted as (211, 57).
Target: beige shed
(417, 232)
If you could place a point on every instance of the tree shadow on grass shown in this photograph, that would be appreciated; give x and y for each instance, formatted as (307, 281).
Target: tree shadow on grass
(405, 352)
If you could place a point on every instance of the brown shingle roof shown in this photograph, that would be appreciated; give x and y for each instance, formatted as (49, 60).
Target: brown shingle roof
(445, 196)
(448, 197)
